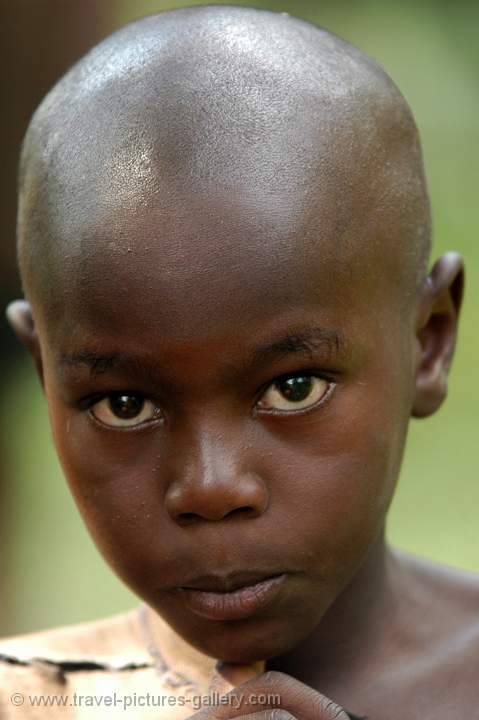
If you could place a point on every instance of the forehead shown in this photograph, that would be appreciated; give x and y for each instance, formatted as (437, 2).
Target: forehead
(189, 249)
(214, 266)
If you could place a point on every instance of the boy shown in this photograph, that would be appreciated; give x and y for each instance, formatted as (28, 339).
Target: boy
(223, 239)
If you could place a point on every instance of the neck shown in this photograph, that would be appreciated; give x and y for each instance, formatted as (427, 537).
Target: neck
(363, 619)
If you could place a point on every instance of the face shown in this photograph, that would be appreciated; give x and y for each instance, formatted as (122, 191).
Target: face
(227, 401)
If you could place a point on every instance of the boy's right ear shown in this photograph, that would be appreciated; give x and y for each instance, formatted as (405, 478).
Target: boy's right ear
(19, 315)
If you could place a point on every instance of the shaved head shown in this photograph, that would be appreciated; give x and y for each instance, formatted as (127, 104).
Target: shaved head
(224, 113)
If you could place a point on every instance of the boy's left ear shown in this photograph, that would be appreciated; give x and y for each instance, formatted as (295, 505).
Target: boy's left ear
(437, 332)
(19, 315)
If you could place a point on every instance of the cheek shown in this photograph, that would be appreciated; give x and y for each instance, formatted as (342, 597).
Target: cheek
(334, 476)
(114, 482)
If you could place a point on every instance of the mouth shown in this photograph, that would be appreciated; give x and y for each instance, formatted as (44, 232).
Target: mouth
(231, 597)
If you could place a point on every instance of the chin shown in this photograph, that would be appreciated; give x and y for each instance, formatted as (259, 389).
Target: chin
(240, 642)
(245, 652)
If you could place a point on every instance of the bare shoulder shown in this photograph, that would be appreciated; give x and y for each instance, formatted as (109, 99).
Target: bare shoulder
(428, 668)
(449, 599)
(457, 587)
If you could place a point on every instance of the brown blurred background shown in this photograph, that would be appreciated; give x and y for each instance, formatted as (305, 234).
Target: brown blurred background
(50, 573)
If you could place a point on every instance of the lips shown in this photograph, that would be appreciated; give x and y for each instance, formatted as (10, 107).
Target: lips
(233, 604)
(230, 582)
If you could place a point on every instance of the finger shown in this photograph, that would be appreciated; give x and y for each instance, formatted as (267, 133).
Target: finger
(229, 675)
(276, 714)
(273, 691)
(236, 674)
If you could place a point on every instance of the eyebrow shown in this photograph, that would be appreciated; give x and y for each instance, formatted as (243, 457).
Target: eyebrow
(301, 341)
(99, 364)
(304, 341)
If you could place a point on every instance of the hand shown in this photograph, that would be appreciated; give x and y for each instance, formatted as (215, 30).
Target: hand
(249, 701)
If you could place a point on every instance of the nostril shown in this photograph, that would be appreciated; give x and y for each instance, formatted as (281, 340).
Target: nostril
(188, 517)
(246, 510)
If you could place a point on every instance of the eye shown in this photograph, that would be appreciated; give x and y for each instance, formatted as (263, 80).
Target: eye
(294, 392)
(124, 410)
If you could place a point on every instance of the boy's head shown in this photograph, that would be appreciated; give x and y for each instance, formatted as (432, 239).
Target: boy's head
(223, 239)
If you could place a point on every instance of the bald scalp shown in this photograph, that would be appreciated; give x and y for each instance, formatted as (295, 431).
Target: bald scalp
(210, 103)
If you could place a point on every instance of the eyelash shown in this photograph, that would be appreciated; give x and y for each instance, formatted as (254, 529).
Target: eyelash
(87, 403)
(320, 374)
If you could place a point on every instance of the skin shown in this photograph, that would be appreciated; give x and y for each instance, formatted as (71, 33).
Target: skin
(187, 250)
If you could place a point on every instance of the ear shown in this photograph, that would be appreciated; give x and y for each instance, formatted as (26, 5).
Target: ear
(19, 315)
(437, 332)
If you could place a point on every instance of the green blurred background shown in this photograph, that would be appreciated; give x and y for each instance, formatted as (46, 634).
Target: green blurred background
(52, 574)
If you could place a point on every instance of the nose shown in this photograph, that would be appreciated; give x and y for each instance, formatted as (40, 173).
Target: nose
(213, 484)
